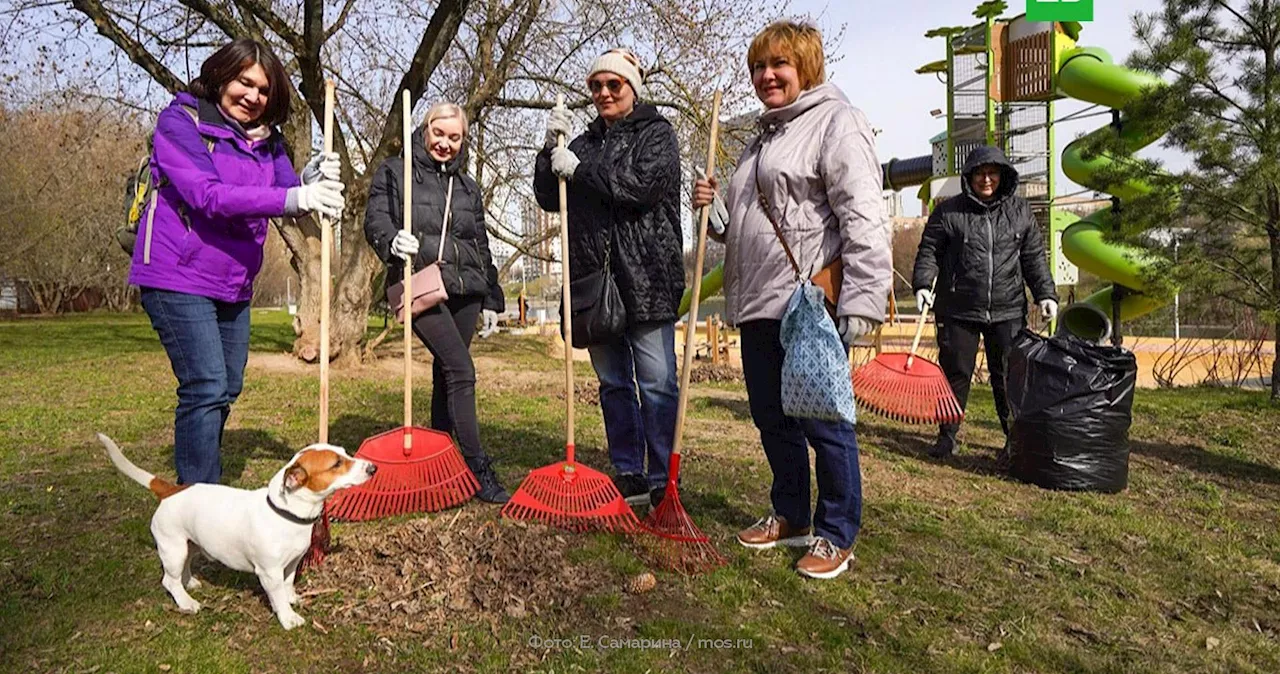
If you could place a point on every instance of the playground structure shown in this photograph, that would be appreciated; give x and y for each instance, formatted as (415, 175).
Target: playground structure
(1003, 76)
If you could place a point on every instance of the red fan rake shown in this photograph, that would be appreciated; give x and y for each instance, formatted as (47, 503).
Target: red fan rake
(907, 388)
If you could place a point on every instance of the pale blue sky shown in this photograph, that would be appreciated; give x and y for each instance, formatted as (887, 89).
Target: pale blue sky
(884, 43)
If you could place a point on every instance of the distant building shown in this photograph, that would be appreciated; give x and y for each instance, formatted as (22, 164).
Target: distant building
(892, 204)
(15, 296)
(1081, 205)
(536, 222)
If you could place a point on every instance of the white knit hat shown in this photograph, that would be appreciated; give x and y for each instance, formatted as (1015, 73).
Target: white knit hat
(624, 63)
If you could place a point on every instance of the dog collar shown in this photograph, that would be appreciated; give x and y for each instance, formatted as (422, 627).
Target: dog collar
(288, 515)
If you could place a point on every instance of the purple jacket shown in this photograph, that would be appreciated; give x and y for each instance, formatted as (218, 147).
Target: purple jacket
(203, 231)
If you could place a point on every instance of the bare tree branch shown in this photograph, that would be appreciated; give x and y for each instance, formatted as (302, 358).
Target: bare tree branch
(108, 28)
(342, 20)
(274, 21)
(495, 75)
(431, 49)
(220, 18)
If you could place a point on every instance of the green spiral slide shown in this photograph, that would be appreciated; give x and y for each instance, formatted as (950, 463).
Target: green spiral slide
(1087, 74)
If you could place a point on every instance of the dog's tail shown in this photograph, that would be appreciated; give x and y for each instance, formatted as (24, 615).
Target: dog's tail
(160, 488)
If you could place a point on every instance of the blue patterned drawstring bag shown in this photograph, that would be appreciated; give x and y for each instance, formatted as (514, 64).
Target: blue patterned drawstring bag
(816, 382)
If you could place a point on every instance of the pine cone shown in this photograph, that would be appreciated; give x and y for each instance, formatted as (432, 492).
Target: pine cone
(641, 583)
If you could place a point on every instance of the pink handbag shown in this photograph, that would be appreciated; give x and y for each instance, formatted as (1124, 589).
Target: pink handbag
(427, 283)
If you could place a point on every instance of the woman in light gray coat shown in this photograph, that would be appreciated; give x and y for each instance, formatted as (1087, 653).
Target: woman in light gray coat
(810, 178)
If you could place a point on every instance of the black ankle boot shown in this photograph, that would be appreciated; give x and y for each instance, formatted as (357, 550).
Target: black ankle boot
(491, 491)
(944, 447)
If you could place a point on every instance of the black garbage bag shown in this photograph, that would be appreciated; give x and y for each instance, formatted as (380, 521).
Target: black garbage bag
(1071, 403)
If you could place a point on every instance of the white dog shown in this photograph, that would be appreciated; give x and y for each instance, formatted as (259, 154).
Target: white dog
(265, 531)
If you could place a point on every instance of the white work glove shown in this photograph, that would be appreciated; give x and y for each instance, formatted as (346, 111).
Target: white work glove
(322, 166)
(564, 162)
(324, 197)
(405, 245)
(490, 322)
(719, 216)
(853, 327)
(557, 123)
(719, 212)
(1048, 309)
(924, 297)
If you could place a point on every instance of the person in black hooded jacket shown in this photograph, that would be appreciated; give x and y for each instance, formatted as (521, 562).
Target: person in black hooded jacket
(981, 247)
(624, 208)
(465, 267)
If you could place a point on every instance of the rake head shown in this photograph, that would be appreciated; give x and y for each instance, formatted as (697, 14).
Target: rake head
(568, 495)
(918, 394)
(677, 543)
(432, 476)
(319, 548)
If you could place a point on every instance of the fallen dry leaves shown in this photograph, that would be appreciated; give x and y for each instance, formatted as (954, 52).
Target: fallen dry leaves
(423, 575)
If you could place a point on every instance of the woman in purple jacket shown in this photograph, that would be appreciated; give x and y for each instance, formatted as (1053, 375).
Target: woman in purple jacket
(221, 170)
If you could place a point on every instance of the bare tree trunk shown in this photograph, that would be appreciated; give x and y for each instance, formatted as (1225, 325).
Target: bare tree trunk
(48, 296)
(302, 238)
(1273, 234)
(352, 298)
(351, 273)
(352, 291)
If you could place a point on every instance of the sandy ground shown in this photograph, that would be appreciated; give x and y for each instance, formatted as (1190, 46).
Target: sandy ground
(1188, 361)
(1194, 358)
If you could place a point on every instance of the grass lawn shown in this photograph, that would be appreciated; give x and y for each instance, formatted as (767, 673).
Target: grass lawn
(957, 570)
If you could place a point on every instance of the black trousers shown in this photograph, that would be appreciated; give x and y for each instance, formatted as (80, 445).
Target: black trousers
(446, 329)
(958, 355)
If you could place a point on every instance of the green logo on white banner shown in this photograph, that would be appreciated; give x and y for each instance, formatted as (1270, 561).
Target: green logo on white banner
(1059, 10)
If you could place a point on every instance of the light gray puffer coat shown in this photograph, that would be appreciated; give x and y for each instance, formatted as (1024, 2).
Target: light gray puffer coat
(818, 169)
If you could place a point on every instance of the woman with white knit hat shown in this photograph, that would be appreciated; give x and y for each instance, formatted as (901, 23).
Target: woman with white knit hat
(623, 177)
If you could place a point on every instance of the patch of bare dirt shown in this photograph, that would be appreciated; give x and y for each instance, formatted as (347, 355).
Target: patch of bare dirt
(584, 392)
(706, 372)
(430, 574)
(277, 363)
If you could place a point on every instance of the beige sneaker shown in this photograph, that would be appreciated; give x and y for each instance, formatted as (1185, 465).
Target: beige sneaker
(771, 530)
(824, 560)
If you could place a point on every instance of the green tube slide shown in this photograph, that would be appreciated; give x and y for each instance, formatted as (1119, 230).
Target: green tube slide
(1088, 74)
(712, 281)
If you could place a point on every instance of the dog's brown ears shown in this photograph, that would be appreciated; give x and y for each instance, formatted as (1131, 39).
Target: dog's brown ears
(294, 476)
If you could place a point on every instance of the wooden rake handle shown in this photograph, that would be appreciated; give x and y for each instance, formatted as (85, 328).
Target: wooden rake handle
(326, 242)
(924, 311)
(406, 319)
(691, 325)
(566, 318)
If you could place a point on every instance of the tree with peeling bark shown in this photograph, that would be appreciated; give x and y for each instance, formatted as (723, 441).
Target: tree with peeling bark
(502, 60)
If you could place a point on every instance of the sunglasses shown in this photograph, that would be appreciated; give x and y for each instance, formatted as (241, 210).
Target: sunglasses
(615, 86)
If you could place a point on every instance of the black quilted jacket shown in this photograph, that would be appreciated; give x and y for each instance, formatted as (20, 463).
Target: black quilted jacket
(983, 253)
(467, 263)
(627, 189)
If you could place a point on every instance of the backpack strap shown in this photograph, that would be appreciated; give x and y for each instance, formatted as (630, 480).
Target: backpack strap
(195, 118)
(161, 182)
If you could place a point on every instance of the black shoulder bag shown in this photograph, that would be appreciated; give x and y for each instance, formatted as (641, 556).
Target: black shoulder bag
(599, 317)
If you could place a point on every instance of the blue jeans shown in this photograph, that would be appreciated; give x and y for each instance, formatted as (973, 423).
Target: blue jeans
(208, 346)
(838, 516)
(644, 358)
